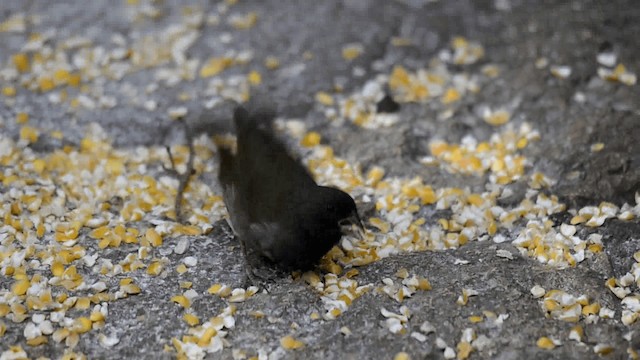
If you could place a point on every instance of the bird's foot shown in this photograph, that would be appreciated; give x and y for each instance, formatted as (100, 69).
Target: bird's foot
(262, 276)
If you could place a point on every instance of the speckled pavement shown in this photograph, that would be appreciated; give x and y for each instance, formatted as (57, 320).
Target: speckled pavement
(501, 198)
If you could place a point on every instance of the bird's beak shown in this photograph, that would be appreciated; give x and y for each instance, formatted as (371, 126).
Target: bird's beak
(346, 225)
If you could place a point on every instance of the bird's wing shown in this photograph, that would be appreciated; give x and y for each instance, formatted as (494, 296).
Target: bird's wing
(269, 175)
(235, 203)
(265, 236)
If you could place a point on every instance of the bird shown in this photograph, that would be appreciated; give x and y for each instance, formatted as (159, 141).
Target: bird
(275, 207)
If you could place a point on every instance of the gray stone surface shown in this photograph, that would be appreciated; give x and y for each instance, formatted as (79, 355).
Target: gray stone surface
(514, 35)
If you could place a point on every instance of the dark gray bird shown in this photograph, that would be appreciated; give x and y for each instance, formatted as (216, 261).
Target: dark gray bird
(276, 208)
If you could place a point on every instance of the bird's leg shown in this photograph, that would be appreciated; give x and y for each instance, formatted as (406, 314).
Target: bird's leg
(184, 177)
(257, 273)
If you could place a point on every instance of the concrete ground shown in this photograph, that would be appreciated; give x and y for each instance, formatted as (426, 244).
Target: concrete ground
(501, 198)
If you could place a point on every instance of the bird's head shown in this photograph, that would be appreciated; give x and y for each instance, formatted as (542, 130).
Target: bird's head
(339, 207)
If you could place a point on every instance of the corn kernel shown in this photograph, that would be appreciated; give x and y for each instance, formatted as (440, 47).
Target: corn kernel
(206, 337)
(96, 316)
(244, 22)
(271, 63)
(402, 356)
(450, 96)
(153, 237)
(82, 303)
(154, 268)
(22, 118)
(498, 118)
(311, 139)
(254, 78)
(351, 52)
(181, 269)
(21, 62)
(191, 319)
(591, 309)
(9, 91)
(181, 300)
(545, 343)
(324, 98)
(82, 325)
(289, 343)
(39, 340)
(215, 66)
(28, 133)
(46, 84)
(20, 287)
(424, 284)
(464, 350)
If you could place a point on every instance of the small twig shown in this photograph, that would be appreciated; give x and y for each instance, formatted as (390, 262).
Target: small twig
(184, 177)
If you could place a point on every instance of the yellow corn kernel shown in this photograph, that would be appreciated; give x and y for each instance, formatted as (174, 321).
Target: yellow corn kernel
(424, 284)
(578, 219)
(399, 77)
(131, 289)
(464, 350)
(311, 139)
(191, 319)
(427, 195)
(475, 199)
(61, 76)
(595, 248)
(476, 319)
(254, 78)
(82, 325)
(83, 303)
(206, 337)
(29, 134)
(9, 91)
(57, 269)
(21, 62)
(181, 300)
(181, 269)
(551, 305)
(153, 237)
(244, 22)
(351, 52)
(591, 309)
(271, 63)
(382, 225)
(603, 349)
(450, 96)
(498, 118)
(402, 356)
(215, 66)
(289, 343)
(545, 343)
(20, 287)
(74, 80)
(154, 268)
(333, 268)
(324, 98)
(46, 84)
(22, 118)
(96, 316)
(214, 289)
(39, 340)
